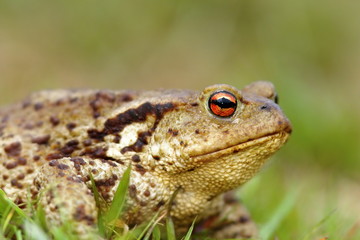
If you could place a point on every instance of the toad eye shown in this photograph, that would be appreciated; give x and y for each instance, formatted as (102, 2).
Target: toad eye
(222, 104)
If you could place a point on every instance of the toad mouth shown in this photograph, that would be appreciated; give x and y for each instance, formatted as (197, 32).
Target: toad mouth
(208, 157)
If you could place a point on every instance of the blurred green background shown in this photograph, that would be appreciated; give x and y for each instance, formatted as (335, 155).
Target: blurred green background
(309, 49)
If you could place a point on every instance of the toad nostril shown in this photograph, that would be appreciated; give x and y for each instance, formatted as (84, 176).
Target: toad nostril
(263, 107)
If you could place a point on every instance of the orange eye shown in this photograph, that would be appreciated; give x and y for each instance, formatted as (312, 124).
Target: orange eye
(222, 104)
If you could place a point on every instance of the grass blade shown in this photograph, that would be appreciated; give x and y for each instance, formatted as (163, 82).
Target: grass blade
(97, 197)
(119, 198)
(281, 212)
(188, 234)
(39, 217)
(319, 224)
(5, 202)
(170, 229)
(156, 235)
(95, 190)
(34, 232)
(150, 226)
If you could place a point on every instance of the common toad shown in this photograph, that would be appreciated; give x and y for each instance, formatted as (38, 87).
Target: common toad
(199, 144)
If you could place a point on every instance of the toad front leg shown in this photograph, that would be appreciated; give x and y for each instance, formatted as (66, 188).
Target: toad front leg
(65, 194)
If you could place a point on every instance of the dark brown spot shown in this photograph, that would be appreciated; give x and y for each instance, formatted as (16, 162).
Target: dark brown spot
(95, 105)
(11, 165)
(69, 147)
(105, 195)
(195, 104)
(197, 131)
(94, 171)
(111, 162)
(73, 142)
(19, 201)
(41, 139)
(126, 98)
(5, 177)
(100, 153)
(140, 169)
(29, 170)
(16, 183)
(67, 150)
(117, 138)
(81, 216)
(173, 132)
(52, 156)
(132, 191)
(143, 203)
(53, 163)
(110, 182)
(101, 98)
(78, 162)
(62, 166)
(92, 163)
(13, 149)
(97, 152)
(136, 158)
(34, 192)
(236, 150)
(147, 193)
(106, 95)
(70, 126)
(74, 179)
(156, 157)
(95, 134)
(21, 161)
(38, 106)
(87, 142)
(54, 120)
(20, 176)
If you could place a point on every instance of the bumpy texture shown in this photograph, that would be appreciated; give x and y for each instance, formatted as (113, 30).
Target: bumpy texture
(51, 141)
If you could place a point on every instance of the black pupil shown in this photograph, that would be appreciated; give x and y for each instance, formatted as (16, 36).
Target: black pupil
(224, 103)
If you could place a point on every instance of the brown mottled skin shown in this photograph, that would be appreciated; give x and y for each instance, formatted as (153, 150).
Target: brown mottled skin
(51, 141)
